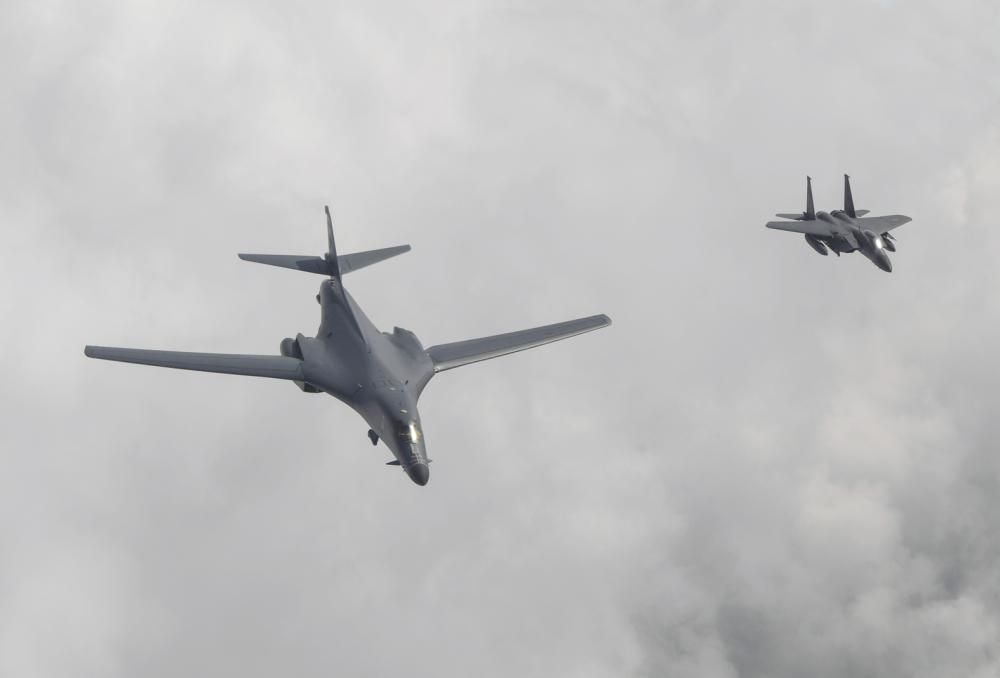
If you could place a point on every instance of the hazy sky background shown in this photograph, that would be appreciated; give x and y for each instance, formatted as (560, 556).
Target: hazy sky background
(771, 465)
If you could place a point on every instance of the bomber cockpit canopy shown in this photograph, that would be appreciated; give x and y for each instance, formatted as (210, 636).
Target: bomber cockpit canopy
(409, 432)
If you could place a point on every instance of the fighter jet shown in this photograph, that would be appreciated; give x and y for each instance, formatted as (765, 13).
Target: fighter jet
(846, 230)
(378, 374)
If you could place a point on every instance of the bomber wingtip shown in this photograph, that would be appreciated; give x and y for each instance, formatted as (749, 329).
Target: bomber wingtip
(604, 319)
(88, 351)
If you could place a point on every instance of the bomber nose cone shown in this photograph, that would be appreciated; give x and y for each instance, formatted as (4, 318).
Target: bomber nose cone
(419, 473)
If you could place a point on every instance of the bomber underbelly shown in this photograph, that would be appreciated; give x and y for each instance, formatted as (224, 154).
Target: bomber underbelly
(331, 372)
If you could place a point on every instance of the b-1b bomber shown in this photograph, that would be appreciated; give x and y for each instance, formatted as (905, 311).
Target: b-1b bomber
(379, 374)
(846, 230)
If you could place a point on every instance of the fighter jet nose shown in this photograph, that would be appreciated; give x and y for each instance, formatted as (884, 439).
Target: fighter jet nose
(419, 473)
(885, 264)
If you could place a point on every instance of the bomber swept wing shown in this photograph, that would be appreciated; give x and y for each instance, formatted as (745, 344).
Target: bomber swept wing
(273, 366)
(456, 354)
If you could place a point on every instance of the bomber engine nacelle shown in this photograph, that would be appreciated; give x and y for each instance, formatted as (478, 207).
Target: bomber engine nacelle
(290, 349)
(816, 244)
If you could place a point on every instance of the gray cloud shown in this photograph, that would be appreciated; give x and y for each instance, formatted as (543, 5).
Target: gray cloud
(771, 465)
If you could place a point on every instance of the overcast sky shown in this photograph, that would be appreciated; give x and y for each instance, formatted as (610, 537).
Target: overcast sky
(772, 465)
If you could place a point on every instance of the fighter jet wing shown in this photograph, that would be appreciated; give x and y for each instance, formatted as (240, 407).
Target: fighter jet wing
(274, 366)
(883, 224)
(811, 227)
(447, 356)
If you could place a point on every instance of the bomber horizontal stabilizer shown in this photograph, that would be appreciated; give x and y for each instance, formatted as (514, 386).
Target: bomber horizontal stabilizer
(347, 263)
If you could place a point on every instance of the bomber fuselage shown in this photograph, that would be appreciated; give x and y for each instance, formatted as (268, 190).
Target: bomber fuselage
(379, 375)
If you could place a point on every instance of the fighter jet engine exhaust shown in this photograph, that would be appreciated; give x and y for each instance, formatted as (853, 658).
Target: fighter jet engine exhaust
(816, 244)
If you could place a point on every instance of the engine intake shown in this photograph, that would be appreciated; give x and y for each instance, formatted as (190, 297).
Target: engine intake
(816, 244)
(290, 349)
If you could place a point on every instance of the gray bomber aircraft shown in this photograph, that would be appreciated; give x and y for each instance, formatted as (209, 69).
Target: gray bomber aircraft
(846, 230)
(378, 374)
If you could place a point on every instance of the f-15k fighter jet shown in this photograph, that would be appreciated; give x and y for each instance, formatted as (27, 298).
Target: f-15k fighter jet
(378, 374)
(846, 230)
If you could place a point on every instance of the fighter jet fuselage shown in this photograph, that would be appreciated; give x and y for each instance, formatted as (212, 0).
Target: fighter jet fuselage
(848, 235)
(844, 231)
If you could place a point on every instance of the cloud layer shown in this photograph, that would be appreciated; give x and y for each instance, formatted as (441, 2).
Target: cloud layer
(772, 464)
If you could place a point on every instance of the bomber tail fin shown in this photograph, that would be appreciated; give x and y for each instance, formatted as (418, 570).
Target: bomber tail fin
(330, 264)
(331, 254)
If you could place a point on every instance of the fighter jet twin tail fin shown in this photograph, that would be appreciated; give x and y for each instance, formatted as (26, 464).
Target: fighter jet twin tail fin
(331, 264)
(849, 200)
(810, 213)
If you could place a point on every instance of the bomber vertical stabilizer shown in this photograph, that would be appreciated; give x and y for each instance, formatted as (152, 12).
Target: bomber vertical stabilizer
(331, 254)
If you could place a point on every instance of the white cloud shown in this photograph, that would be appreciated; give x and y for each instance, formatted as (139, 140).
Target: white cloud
(771, 464)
